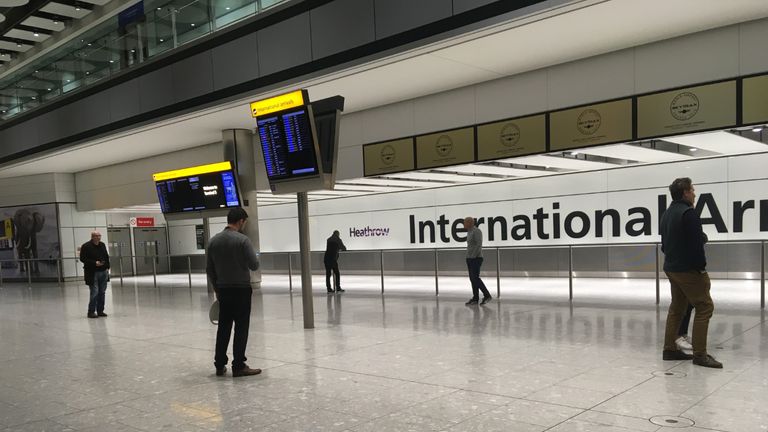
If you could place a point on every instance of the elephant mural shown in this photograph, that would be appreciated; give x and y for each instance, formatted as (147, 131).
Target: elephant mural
(26, 226)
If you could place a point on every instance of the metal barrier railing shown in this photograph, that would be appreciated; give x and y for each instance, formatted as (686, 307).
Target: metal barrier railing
(26, 265)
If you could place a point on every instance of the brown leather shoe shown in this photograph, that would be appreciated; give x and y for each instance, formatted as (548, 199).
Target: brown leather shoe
(707, 361)
(246, 371)
(676, 355)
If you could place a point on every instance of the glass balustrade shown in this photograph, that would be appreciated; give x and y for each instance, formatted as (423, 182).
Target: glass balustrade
(107, 48)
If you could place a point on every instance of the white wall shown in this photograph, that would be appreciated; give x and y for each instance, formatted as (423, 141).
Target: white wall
(130, 183)
(727, 179)
(183, 238)
(37, 189)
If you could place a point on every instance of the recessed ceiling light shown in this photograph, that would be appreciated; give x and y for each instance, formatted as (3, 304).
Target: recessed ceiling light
(228, 8)
(36, 34)
(574, 153)
(692, 149)
(757, 129)
(193, 24)
(33, 98)
(111, 61)
(161, 40)
(18, 44)
(48, 89)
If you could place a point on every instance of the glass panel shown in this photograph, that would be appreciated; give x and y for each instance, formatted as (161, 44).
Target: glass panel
(107, 49)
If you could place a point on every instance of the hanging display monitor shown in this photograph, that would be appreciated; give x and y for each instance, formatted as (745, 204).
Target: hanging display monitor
(289, 145)
(198, 189)
(288, 138)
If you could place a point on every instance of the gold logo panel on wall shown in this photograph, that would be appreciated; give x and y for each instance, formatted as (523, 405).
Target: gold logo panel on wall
(445, 148)
(687, 110)
(755, 100)
(388, 157)
(603, 123)
(510, 138)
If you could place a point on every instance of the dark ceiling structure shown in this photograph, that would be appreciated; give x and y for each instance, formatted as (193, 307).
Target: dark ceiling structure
(25, 23)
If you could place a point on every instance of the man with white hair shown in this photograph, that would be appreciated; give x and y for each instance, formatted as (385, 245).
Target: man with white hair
(95, 259)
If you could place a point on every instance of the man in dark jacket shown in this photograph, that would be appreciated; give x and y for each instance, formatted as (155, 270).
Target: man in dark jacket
(331, 261)
(231, 257)
(682, 241)
(95, 259)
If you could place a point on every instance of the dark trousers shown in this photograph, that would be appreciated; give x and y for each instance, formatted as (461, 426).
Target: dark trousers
(332, 266)
(98, 289)
(683, 330)
(473, 266)
(234, 308)
(689, 287)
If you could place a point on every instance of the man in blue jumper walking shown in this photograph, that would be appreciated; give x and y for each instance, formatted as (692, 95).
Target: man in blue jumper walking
(682, 241)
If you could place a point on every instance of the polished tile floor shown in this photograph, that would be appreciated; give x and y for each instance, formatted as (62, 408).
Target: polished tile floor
(406, 361)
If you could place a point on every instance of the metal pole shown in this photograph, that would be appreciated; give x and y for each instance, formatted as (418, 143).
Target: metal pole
(189, 270)
(381, 265)
(306, 270)
(154, 272)
(570, 273)
(498, 273)
(29, 272)
(658, 295)
(437, 288)
(121, 269)
(1, 273)
(762, 275)
(173, 27)
(58, 271)
(290, 273)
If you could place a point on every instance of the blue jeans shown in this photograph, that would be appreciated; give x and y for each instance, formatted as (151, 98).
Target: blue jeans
(98, 288)
(473, 266)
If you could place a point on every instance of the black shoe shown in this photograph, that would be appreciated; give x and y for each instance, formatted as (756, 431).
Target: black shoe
(707, 361)
(330, 291)
(221, 371)
(339, 290)
(471, 302)
(102, 314)
(246, 371)
(676, 355)
(486, 300)
(92, 315)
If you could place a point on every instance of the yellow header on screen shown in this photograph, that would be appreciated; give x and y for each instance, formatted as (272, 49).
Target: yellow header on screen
(278, 103)
(196, 170)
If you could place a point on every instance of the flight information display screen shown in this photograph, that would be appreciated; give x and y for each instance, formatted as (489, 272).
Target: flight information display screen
(288, 144)
(206, 191)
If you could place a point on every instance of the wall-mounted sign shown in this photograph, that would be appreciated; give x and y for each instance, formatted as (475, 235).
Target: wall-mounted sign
(145, 221)
(281, 102)
(510, 138)
(604, 123)
(755, 100)
(687, 110)
(388, 157)
(445, 148)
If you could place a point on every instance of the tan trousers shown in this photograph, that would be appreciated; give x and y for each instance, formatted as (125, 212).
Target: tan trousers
(689, 287)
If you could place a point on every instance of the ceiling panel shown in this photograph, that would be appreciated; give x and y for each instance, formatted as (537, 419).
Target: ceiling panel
(454, 178)
(65, 10)
(495, 170)
(634, 153)
(719, 142)
(559, 162)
